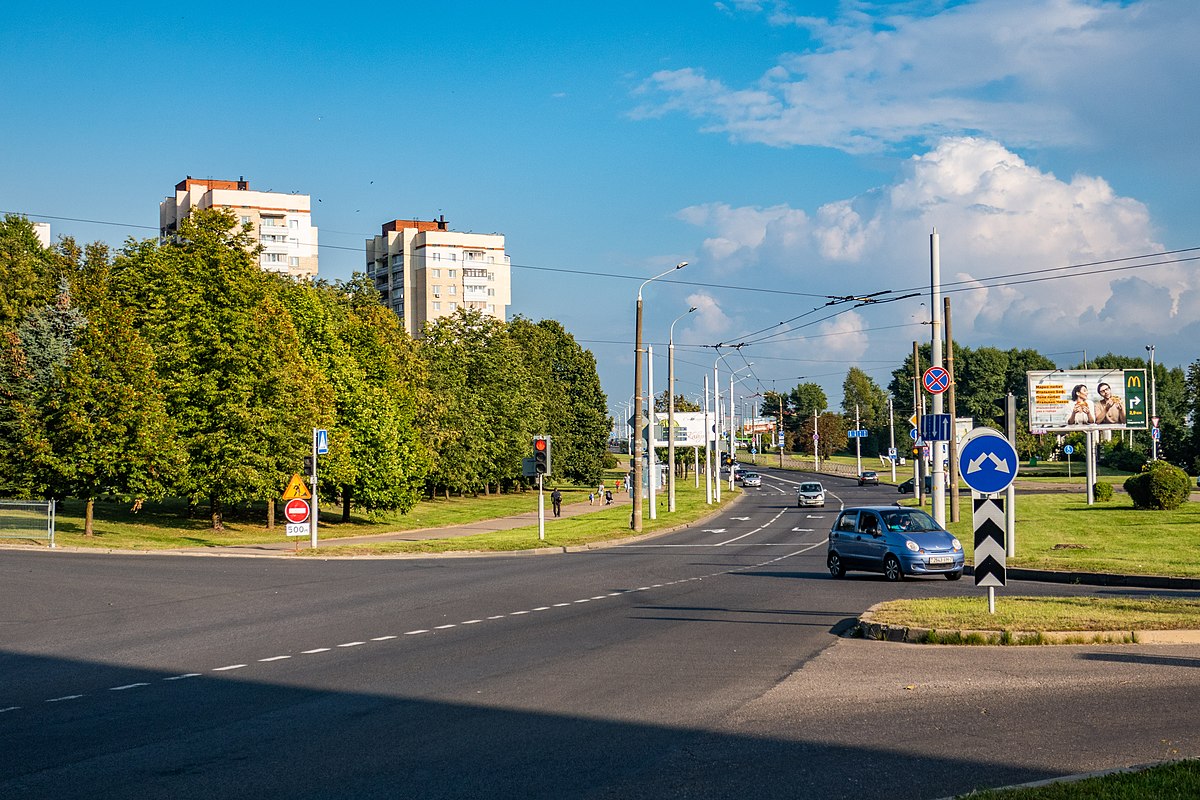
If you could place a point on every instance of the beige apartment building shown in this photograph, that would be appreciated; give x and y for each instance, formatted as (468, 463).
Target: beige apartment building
(424, 270)
(281, 223)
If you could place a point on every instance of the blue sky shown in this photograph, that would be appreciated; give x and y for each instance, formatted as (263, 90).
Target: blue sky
(791, 152)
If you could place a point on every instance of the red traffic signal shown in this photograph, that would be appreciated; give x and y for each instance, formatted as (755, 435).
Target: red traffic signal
(541, 455)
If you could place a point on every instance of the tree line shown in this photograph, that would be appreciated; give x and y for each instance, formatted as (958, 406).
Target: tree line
(983, 377)
(181, 369)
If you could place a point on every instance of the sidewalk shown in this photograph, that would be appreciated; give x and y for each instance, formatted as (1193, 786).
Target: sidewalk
(522, 520)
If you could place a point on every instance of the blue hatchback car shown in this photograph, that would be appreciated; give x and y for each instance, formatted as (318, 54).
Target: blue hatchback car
(893, 540)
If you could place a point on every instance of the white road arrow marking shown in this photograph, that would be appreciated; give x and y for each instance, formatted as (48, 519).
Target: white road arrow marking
(803, 530)
(741, 519)
(714, 530)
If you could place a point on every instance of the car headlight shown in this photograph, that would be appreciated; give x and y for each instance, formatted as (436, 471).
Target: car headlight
(956, 544)
(911, 545)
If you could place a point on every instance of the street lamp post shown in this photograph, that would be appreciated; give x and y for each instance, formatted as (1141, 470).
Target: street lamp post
(671, 411)
(635, 494)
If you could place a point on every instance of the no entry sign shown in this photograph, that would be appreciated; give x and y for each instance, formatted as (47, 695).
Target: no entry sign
(296, 511)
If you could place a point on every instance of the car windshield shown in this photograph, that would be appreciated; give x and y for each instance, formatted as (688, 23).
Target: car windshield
(909, 520)
(810, 487)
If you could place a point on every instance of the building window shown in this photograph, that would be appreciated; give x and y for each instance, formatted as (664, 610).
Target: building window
(454, 256)
(437, 306)
(453, 289)
(491, 259)
(245, 220)
(453, 306)
(437, 291)
(294, 224)
(491, 309)
(491, 292)
(437, 273)
(437, 256)
(473, 255)
(293, 241)
(397, 259)
(451, 273)
(293, 261)
(273, 258)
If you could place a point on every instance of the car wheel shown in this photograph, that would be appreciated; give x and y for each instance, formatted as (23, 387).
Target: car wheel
(953, 576)
(836, 568)
(892, 570)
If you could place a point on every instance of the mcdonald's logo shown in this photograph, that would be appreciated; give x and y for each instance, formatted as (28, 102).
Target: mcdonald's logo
(1133, 381)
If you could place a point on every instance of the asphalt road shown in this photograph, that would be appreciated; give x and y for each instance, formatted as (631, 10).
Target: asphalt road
(701, 664)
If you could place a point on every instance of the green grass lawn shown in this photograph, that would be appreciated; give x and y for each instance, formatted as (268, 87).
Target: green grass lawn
(1060, 531)
(1179, 780)
(1042, 613)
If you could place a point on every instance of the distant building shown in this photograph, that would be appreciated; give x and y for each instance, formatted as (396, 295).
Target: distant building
(424, 271)
(281, 223)
(42, 231)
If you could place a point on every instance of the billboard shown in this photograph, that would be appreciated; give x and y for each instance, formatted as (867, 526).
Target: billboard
(1080, 399)
(689, 428)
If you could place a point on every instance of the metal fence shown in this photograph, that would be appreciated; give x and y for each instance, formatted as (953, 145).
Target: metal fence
(27, 519)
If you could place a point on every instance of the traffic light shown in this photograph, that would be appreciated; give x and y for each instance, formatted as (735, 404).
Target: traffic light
(541, 455)
(308, 465)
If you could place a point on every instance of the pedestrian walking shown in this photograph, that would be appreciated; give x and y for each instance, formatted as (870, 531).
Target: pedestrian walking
(556, 501)
(608, 497)
(591, 498)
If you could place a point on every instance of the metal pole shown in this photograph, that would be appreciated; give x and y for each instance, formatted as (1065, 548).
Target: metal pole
(671, 421)
(1010, 494)
(938, 493)
(918, 407)
(892, 436)
(857, 442)
(716, 434)
(732, 427)
(541, 510)
(1153, 408)
(315, 510)
(816, 444)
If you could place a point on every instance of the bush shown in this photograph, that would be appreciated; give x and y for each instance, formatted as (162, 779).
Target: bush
(1120, 457)
(1160, 486)
(1103, 492)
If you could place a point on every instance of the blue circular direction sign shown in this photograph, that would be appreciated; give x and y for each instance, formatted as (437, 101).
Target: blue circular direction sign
(987, 461)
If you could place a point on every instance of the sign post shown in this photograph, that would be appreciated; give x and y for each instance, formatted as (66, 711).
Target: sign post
(987, 463)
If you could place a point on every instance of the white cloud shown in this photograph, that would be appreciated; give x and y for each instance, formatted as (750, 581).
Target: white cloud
(996, 215)
(1027, 72)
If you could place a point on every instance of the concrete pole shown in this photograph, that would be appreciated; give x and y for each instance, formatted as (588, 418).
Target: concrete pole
(938, 492)
(954, 514)
(731, 423)
(708, 492)
(716, 434)
(918, 407)
(635, 447)
(652, 435)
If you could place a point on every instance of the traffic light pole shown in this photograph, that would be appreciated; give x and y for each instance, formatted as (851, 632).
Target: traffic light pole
(541, 511)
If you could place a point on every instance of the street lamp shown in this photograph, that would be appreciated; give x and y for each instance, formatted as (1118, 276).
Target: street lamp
(671, 412)
(635, 521)
(1153, 408)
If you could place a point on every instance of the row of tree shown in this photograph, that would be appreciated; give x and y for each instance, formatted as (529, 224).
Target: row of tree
(182, 369)
(983, 377)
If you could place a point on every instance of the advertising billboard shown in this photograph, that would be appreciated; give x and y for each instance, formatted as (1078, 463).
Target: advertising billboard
(1079, 399)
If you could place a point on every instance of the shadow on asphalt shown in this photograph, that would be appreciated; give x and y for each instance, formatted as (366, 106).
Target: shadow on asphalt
(210, 736)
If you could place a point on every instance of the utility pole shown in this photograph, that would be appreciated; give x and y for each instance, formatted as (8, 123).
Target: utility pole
(953, 420)
(918, 407)
(892, 436)
(938, 492)
(857, 442)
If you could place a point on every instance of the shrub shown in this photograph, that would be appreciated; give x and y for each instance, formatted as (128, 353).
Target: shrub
(1118, 456)
(1103, 492)
(1160, 486)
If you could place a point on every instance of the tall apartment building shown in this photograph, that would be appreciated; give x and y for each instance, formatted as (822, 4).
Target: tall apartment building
(281, 223)
(424, 271)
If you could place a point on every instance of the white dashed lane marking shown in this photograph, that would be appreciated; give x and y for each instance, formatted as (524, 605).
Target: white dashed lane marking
(417, 631)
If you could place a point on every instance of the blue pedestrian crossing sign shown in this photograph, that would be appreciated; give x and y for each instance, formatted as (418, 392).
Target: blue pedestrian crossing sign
(987, 461)
(321, 437)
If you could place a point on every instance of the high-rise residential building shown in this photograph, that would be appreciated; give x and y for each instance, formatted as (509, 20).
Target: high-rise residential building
(424, 271)
(281, 223)
(42, 231)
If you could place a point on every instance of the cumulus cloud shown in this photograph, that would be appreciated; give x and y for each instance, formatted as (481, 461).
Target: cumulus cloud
(996, 215)
(1055, 73)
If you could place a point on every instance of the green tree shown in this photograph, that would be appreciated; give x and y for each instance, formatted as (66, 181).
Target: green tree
(228, 357)
(807, 398)
(29, 273)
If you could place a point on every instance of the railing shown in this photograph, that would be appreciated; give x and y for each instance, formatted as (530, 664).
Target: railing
(27, 519)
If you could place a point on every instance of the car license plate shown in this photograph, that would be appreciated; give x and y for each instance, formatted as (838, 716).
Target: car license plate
(940, 559)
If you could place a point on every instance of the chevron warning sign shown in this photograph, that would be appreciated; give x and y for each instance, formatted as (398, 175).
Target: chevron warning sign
(990, 558)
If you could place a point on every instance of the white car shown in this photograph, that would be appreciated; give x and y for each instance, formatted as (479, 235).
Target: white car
(810, 493)
(751, 479)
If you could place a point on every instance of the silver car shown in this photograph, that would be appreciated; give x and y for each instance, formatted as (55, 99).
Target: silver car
(751, 479)
(810, 493)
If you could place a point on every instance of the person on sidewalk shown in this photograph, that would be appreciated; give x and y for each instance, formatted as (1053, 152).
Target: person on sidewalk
(556, 501)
